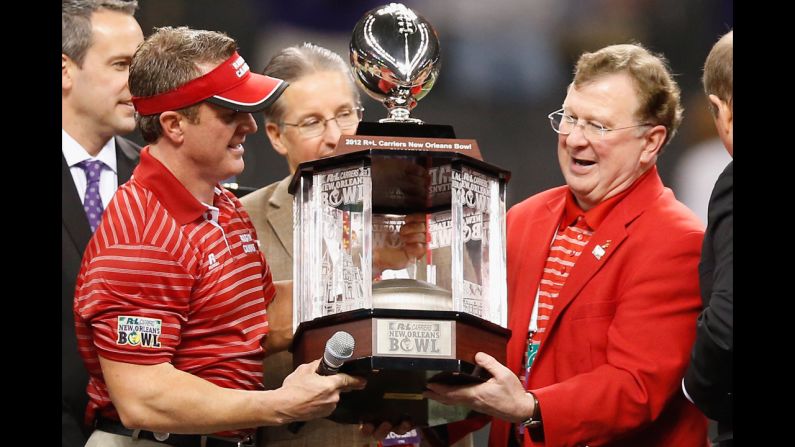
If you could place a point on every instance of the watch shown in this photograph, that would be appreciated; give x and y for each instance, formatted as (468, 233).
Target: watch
(534, 420)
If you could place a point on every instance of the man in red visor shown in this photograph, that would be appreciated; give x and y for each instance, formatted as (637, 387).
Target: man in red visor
(170, 306)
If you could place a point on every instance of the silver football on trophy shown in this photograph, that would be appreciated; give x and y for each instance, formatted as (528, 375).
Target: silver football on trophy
(395, 58)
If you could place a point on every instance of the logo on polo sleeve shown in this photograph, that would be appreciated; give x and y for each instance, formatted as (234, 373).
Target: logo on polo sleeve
(139, 331)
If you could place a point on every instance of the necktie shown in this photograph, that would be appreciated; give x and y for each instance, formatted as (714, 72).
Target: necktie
(92, 202)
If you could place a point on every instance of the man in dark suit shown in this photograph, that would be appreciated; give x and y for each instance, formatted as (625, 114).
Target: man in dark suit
(708, 380)
(99, 39)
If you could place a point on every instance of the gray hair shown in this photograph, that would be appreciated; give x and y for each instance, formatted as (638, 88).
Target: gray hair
(76, 35)
(295, 62)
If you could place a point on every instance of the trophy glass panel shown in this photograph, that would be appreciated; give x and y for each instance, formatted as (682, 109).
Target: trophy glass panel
(332, 228)
(479, 242)
(408, 188)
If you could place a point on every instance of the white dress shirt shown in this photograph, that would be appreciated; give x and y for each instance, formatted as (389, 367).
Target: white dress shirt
(74, 153)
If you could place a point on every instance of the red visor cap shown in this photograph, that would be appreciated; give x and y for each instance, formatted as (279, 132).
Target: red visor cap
(231, 85)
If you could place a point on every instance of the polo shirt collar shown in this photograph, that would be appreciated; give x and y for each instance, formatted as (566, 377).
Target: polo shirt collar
(174, 197)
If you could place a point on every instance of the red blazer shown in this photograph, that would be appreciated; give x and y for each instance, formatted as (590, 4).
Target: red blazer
(611, 362)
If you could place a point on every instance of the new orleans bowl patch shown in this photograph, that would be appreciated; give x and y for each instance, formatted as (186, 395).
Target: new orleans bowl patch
(138, 331)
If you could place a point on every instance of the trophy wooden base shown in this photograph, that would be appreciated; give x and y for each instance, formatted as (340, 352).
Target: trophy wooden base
(399, 351)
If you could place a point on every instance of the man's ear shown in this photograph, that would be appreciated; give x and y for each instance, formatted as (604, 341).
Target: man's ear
(274, 133)
(171, 122)
(724, 122)
(653, 143)
(67, 68)
(725, 113)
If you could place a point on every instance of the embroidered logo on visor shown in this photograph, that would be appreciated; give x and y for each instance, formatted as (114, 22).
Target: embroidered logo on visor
(138, 331)
(240, 66)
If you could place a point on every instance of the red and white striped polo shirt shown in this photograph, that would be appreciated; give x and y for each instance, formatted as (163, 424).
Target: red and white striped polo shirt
(166, 278)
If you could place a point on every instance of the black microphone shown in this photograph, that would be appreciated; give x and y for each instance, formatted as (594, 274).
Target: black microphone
(339, 348)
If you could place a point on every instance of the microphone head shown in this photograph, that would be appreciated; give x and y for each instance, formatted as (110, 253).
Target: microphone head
(338, 349)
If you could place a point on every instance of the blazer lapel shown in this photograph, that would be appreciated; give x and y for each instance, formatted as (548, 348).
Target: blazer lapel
(72, 215)
(280, 216)
(610, 236)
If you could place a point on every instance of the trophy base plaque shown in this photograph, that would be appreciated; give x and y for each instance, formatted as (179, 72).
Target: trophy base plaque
(399, 351)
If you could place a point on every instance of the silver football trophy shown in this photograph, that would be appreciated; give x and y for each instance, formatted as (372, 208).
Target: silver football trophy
(416, 316)
(395, 58)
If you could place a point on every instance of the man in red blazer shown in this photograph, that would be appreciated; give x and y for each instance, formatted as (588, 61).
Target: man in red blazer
(602, 277)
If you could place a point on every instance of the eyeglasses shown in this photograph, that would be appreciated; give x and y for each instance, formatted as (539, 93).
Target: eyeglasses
(313, 127)
(564, 124)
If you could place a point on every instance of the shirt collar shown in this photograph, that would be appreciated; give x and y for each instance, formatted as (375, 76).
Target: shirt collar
(74, 153)
(596, 215)
(176, 199)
